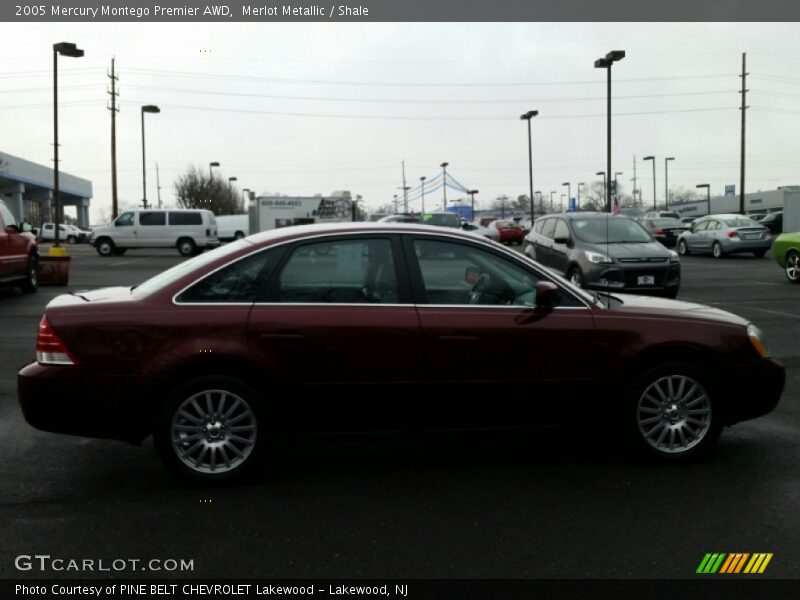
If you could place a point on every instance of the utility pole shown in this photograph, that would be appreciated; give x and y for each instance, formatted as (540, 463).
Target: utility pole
(114, 110)
(743, 109)
(634, 181)
(405, 189)
(158, 186)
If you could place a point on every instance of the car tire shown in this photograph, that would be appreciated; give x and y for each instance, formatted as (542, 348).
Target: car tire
(683, 248)
(208, 430)
(186, 247)
(575, 275)
(672, 414)
(759, 253)
(31, 282)
(105, 247)
(792, 269)
(716, 250)
(120, 251)
(238, 235)
(70, 239)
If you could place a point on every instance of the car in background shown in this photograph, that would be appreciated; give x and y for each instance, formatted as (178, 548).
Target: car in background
(688, 220)
(226, 352)
(665, 229)
(443, 219)
(402, 218)
(773, 222)
(232, 227)
(604, 252)
(484, 221)
(67, 233)
(723, 234)
(19, 254)
(786, 250)
(527, 226)
(633, 213)
(509, 231)
(486, 232)
(662, 214)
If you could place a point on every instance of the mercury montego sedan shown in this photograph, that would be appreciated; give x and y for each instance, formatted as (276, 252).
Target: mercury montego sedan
(367, 327)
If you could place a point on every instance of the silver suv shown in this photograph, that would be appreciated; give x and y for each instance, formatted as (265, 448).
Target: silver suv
(603, 252)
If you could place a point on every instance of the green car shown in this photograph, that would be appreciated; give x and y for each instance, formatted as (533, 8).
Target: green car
(786, 251)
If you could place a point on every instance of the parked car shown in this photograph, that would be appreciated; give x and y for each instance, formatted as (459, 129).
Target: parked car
(401, 218)
(67, 233)
(662, 214)
(444, 219)
(665, 230)
(225, 352)
(509, 231)
(189, 231)
(786, 251)
(689, 220)
(773, 222)
(486, 232)
(19, 254)
(527, 226)
(484, 221)
(723, 234)
(603, 252)
(232, 227)
(633, 213)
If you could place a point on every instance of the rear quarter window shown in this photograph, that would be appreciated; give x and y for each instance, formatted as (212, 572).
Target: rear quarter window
(185, 218)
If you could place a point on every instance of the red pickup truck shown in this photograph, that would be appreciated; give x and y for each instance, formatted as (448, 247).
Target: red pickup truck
(19, 255)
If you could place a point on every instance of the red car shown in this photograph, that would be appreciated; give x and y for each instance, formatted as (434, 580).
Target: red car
(510, 232)
(355, 327)
(19, 254)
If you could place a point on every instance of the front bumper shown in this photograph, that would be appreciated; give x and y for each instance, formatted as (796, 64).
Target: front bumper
(752, 390)
(65, 400)
(626, 279)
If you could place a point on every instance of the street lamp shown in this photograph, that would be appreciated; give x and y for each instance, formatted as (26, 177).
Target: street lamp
(551, 201)
(395, 204)
(472, 193)
(653, 158)
(210, 166)
(578, 202)
(666, 181)
(616, 184)
(444, 185)
(148, 108)
(422, 179)
(65, 49)
(405, 189)
(708, 194)
(527, 117)
(541, 202)
(605, 189)
(605, 63)
(569, 191)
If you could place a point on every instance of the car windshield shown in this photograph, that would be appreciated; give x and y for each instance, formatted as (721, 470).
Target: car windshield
(442, 220)
(733, 222)
(615, 230)
(662, 223)
(164, 278)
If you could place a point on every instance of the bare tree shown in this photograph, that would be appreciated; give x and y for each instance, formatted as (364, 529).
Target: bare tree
(195, 189)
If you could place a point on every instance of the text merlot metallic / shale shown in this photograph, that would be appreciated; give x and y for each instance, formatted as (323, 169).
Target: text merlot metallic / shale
(288, 10)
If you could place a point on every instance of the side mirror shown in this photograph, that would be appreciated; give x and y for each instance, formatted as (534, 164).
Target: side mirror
(547, 295)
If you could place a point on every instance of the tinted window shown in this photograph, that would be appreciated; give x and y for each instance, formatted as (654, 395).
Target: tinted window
(660, 223)
(740, 222)
(125, 219)
(561, 230)
(238, 282)
(455, 273)
(340, 271)
(185, 218)
(152, 218)
(699, 225)
(614, 230)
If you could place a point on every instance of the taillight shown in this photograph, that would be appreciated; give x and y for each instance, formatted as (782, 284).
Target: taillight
(660, 232)
(50, 350)
(733, 234)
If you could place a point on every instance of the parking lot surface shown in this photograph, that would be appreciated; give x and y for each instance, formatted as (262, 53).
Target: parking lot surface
(540, 504)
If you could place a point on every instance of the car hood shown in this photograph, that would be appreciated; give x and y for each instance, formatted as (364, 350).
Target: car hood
(676, 308)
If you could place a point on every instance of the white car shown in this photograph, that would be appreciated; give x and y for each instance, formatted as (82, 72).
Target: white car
(67, 233)
(486, 232)
(232, 227)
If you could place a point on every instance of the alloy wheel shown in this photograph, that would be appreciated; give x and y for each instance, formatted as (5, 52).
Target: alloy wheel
(793, 267)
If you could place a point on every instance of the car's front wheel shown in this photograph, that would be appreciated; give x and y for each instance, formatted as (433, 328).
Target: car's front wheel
(209, 429)
(683, 248)
(105, 247)
(672, 415)
(792, 269)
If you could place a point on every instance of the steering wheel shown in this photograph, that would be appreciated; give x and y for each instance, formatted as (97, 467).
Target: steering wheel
(476, 292)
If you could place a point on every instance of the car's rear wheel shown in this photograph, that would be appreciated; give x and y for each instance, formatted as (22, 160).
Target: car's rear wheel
(792, 269)
(209, 429)
(31, 282)
(759, 253)
(716, 250)
(672, 413)
(238, 235)
(186, 247)
(576, 277)
(71, 239)
(105, 247)
(683, 248)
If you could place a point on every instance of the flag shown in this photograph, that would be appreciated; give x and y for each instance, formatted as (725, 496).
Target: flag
(616, 206)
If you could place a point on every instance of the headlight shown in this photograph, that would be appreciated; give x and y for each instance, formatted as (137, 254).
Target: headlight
(757, 339)
(673, 256)
(597, 258)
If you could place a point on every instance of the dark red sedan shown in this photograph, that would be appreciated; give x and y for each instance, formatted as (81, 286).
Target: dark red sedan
(510, 232)
(373, 327)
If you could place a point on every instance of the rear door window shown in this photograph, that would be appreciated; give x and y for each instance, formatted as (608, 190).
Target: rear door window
(185, 218)
(152, 218)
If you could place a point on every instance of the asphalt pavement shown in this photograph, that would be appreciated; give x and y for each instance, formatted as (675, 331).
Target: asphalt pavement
(539, 505)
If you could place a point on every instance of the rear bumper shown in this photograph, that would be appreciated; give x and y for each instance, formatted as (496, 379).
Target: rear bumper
(65, 400)
(753, 390)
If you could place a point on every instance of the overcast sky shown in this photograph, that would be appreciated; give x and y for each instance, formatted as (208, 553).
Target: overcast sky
(308, 108)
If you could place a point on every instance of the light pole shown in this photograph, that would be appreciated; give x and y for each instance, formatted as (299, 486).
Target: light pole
(569, 191)
(211, 165)
(541, 202)
(708, 194)
(148, 108)
(578, 202)
(653, 158)
(551, 201)
(405, 189)
(472, 193)
(605, 189)
(422, 179)
(395, 204)
(65, 49)
(444, 185)
(616, 184)
(527, 117)
(562, 202)
(605, 63)
(666, 181)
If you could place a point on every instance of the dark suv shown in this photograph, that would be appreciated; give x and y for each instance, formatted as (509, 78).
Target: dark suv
(19, 256)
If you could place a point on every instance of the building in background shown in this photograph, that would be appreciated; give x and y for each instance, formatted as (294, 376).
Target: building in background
(755, 203)
(272, 212)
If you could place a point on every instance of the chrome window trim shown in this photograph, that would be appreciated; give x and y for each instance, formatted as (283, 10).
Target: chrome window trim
(478, 240)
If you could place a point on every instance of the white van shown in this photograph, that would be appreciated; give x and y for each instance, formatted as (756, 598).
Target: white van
(232, 227)
(190, 231)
